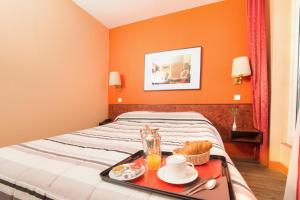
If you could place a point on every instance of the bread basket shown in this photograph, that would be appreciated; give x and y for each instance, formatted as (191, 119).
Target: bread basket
(198, 159)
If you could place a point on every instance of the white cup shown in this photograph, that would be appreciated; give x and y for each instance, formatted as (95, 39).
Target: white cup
(176, 167)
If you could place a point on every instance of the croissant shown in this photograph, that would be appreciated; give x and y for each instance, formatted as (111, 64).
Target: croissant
(195, 147)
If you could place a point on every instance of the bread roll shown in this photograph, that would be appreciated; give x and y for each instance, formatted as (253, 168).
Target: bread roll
(195, 147)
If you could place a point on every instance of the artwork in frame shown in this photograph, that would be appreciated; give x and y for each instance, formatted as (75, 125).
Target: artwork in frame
(173, 70)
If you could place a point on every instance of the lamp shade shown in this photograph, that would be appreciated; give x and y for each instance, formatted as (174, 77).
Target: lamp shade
(114, 78)
(241, 67)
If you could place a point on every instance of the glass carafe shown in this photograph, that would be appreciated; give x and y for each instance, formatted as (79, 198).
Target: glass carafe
(151, 145)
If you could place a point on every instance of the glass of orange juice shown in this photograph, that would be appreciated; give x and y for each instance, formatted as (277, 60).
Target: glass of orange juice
(153, 161)
(151, 144)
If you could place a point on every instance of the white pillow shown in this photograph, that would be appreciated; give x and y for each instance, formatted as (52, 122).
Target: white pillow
(162, 115)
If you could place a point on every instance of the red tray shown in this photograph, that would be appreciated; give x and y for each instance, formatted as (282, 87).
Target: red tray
(216, 167)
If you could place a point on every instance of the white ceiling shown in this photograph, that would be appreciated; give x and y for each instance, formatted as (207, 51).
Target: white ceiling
(113, 13)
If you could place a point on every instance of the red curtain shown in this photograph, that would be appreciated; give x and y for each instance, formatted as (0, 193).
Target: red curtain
(258, 60)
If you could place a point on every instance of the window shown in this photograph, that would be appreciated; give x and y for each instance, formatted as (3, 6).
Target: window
(294, 90)
(298, 75)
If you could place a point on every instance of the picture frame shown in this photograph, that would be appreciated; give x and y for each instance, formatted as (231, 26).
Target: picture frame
(177, 69)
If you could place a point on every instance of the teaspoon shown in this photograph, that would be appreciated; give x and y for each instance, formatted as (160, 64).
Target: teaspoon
(209, 185)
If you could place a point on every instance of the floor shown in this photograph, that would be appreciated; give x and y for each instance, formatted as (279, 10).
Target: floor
(265, 183)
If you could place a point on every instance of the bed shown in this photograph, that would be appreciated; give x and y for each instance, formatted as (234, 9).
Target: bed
(68, 166)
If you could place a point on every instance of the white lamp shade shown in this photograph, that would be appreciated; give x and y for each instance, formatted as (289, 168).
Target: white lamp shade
(114, 78)
(241, 67)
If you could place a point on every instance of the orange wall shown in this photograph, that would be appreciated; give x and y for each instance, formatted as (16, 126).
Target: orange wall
(53, 69)
(219, 28)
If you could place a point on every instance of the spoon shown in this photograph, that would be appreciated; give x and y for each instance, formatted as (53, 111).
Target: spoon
(209, 185)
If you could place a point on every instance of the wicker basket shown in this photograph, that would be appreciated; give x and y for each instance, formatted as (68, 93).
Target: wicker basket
(198, 159)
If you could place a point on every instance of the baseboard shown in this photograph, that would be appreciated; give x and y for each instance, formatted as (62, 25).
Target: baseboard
(279, 167)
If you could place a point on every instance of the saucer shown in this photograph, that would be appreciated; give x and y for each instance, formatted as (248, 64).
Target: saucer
(128, 174)
(192, 174)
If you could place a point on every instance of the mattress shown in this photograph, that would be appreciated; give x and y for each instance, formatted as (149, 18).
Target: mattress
(68, 166)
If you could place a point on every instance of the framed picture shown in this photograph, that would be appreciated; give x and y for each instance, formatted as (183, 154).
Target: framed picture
(173, 70)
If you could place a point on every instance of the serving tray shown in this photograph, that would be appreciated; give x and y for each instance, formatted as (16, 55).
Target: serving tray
(216, 167)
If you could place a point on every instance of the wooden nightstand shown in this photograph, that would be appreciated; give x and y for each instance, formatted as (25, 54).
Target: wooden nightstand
(252, 136)
(106, 121)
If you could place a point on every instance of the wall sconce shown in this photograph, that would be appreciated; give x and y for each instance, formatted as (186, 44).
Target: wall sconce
(115, 79)
(240, 68)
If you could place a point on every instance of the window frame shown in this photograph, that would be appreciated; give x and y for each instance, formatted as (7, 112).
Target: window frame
(294, 72)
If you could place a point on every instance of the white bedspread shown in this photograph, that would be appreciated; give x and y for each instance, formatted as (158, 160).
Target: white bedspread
(68, 166)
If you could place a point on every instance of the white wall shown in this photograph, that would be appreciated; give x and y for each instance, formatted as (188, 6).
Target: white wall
(280, 46)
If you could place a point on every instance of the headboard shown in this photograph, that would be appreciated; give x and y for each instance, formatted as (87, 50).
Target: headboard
(219, 114)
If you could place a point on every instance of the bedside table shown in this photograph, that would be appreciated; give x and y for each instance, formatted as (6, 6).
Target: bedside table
(106, 121)
(252, 136)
